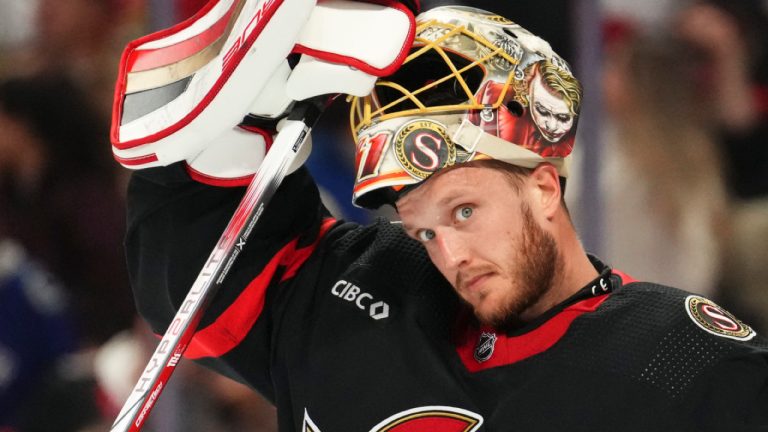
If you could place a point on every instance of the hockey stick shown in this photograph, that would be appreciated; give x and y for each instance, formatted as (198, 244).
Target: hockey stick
(181, 330)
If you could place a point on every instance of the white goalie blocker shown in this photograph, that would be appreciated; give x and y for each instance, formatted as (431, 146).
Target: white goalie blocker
(182, 92)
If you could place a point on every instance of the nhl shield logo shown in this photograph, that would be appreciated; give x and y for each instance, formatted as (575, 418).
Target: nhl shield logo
(485, 345)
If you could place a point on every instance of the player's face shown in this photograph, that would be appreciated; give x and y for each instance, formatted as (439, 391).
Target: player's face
(480, 233)
(550, 112)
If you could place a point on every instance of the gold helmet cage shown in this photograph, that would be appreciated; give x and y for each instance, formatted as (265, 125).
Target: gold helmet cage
(474, 86)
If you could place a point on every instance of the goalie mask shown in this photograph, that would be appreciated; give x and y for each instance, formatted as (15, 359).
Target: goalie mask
(475, 86)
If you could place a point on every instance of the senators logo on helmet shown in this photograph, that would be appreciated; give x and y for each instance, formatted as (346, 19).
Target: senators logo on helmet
(423, 147)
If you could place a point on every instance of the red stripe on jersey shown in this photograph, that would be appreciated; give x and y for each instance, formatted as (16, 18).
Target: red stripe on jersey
(625, 278)
(231, 327)
(512, 349)
(293, 262)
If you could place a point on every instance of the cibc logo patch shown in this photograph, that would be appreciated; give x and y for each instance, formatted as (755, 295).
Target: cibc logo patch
(363, 300)
(423, 147)
(716, 320)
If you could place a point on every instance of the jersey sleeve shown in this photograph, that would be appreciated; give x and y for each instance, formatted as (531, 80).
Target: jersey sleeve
(733, 394)
(174, 224)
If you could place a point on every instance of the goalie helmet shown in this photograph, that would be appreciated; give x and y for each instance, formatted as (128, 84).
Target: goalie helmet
(474, 86)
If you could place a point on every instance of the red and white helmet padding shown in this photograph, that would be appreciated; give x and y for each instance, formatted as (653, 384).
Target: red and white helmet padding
(182, 89)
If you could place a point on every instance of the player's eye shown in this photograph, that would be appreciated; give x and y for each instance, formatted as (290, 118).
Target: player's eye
(463, 213)
(425, 235)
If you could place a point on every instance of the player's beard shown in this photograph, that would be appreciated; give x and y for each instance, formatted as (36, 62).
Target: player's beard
(533, 271)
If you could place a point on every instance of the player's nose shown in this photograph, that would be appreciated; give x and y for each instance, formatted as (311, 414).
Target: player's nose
(452, 247)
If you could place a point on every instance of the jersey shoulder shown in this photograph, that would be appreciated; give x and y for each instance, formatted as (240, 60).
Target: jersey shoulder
(381, 258)
(384, 249)
(662, 309)
(663, 337)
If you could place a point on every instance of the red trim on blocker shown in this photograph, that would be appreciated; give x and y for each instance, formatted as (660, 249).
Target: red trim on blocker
(512, 349)
(360, 64)
(210, 180)
(229, 68)
(122, 74)
(140, 160)
(267, 135)
(231, 327)
(217, 181)
(145, 59)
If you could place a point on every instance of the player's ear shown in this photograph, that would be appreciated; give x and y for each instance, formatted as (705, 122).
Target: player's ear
(546, 192)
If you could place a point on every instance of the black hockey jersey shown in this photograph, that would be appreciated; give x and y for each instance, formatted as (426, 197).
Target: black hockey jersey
(350, 328)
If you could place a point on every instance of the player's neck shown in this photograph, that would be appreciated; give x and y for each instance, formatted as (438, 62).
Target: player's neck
(572, 272)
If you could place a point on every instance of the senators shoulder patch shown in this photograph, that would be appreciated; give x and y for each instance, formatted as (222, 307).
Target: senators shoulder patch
(716, 320)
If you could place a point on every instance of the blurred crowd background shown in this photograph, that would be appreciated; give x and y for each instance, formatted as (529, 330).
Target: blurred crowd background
(671, 185)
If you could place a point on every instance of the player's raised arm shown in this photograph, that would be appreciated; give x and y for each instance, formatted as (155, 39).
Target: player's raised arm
(197, 109)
